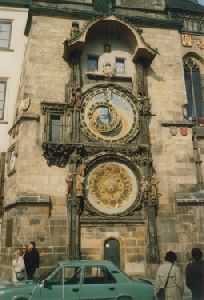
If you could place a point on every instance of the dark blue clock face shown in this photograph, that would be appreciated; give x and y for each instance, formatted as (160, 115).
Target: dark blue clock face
(104, 115)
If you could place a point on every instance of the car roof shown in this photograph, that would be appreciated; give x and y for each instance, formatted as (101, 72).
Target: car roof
(81, 263)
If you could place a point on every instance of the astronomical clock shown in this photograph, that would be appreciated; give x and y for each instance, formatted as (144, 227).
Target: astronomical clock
(102, 135)
(110, 119)
(109, 115)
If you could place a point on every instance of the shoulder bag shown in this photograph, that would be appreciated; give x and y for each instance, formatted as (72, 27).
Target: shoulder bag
(20, 276)
(161, 292)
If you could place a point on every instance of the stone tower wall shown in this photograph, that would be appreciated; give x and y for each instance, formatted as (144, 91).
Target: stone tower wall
(44, 77)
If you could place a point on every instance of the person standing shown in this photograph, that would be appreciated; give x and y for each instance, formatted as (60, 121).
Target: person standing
(18, 266)
(24, 252)
(31, 259)
(195, 275)
(24, 249)
(169, 277)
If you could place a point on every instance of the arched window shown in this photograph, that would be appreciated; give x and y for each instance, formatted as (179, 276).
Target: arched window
(193, 84)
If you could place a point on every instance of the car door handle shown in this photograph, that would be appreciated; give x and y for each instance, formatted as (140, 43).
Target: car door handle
(111, 288)
(75, 290)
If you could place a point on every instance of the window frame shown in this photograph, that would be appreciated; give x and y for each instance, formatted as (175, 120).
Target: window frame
(3, 22)
(121, 59)
(4, 81)
(50, 128)
(63, 280)
(195, 96)
(90, 56)
(97, 279)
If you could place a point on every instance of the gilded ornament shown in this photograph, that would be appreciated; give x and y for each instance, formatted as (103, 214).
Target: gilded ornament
(186, 40)
(200, 45)
(111, 187)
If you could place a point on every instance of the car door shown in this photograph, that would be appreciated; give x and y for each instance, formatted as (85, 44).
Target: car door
(63, 284)
(97, 283)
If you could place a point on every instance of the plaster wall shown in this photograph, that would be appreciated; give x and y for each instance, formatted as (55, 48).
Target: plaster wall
(11, 64)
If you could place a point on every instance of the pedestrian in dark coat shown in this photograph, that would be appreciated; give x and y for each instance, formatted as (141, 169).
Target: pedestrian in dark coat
(31, 260)
(195, 275)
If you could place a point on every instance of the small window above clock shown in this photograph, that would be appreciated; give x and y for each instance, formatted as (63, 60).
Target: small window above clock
(92, 63)
(120, 65)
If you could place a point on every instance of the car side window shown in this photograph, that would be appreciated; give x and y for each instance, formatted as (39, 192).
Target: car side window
(97, 275)
(56, 279)
(72, 275)
(66, 275)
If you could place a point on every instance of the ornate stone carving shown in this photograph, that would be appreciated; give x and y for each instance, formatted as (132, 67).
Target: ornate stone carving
(57, 154)
(53, 106)
(145, 189)
(184, 131)
(144, 104)
(24, 104)
(77, 154)
(173, 130)
(191, 22)
(108, 70)
(200, 44)
(186, 40)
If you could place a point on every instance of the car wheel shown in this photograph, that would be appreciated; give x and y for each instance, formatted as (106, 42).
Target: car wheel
(124, 298)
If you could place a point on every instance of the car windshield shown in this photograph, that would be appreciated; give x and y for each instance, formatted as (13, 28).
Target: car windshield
(46, 274)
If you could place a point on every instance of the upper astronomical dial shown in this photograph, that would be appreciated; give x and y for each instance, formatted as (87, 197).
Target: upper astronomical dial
(109, 115)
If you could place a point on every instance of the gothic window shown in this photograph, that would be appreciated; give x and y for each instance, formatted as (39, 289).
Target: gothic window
(5, 34)
(92, 63)
(120, 65)
(193, 85)
(2, 98)
(55, 128)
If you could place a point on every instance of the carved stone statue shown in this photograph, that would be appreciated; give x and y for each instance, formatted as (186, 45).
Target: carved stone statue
(69, 182)
(145, 188)
(154, 184)
(108, 69)
(79, 185)
(75, 96)
(80, 182)
(24, 104)
(78, 97)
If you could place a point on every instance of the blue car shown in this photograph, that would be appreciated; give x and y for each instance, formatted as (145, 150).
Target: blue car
(80, 280)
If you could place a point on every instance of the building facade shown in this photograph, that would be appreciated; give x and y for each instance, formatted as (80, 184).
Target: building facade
(12, 46)
(105, 158)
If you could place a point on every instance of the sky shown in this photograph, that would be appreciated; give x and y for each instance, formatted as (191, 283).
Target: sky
(201, 2)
